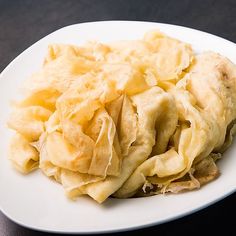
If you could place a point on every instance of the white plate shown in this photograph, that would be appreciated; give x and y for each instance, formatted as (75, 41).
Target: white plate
(36, 202)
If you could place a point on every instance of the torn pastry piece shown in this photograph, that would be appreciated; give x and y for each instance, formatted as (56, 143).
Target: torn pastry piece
(105, 158)
(59, 72)
(127, 128)
(66, 155)
(70, 180)
(74, 148)
(114, 110)
(73, 182)
(149, 106)
(207, 125)
(230, 133)
(53, 123)
(29, 121)
(165, 127)
(127, 78)
(22, 154)
(203, 172)
(92, 150)
(159, 57)
(89, 93)
(63, 65)
(45, 98)
(166, 167)
(92, 51)
(212, 81)
(166, 164)
(103, 149)
(45, 164)
(170, 56)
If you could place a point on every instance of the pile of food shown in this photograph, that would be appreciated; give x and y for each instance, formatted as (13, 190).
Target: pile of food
(128, 118)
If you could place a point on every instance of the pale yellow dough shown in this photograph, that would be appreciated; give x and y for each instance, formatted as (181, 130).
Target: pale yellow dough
(127, 118)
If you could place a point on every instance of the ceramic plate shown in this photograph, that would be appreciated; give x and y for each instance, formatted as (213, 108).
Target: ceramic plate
(36, 202)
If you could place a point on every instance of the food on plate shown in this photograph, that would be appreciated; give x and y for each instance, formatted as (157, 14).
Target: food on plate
(125, 119)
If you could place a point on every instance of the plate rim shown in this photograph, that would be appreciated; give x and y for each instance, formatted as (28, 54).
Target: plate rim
(128, 228)
(123, 229)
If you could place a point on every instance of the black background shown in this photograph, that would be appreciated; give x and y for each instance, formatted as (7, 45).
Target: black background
(24, 22)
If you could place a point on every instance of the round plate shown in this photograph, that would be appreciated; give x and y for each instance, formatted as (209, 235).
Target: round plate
(37, 202)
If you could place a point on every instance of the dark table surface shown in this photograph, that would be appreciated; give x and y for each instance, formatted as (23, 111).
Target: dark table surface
(23, 22)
